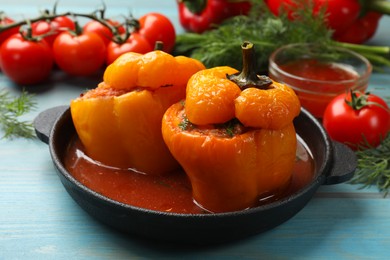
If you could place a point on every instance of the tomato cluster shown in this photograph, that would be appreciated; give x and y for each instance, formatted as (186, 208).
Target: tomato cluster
(28, 57)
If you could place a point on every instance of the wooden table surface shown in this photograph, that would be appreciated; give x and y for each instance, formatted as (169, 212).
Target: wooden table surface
(39, 220)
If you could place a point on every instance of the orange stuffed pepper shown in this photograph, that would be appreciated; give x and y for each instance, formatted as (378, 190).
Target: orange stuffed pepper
(234, 136)
(119, 122)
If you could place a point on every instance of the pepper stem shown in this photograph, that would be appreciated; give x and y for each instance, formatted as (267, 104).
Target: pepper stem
(158, 46)
(195, 6)
(380, 6)
(248, 78)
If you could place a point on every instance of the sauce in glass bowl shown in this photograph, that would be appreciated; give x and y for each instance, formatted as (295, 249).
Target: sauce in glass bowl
(316, 75)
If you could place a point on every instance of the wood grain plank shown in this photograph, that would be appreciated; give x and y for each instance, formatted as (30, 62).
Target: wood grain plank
(39, 220)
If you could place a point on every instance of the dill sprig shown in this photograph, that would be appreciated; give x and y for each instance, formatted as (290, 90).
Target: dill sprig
(185, 124)
(374, 167)
(231, 127)
(219, 47)
(11, 109)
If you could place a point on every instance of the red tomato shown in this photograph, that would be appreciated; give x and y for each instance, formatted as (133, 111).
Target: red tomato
(79, 55)
(6, 21)
(341, 14)
(370, 122)
(103, 31)
(157, 27)
(54, 27)
(135, 43)
(26, 62)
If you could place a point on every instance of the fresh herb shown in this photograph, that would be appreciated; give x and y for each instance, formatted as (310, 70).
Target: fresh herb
(267, 32)
(185, 124)
(231, 127)
(374, 167)
(11, 109)
(230, 130)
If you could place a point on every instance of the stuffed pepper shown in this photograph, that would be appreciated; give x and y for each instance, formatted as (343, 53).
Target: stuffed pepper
(119, 122)
(234, 135)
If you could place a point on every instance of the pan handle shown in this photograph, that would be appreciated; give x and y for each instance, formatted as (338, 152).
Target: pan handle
(45, 121)
(344, 164)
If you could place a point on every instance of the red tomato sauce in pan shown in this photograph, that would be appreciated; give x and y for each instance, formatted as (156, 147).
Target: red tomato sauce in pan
(171, 193)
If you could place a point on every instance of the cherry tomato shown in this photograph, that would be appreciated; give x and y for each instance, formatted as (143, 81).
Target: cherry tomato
(4, 20)
(26, 62)
(340, 14)
(135, 43)
(79, 55)
(157, 27)
(367, 119)
(103, 31)
(54, 27)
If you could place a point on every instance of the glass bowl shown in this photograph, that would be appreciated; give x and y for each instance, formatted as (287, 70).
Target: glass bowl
(318, 73)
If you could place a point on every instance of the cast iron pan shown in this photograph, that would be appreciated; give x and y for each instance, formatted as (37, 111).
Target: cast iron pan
(335, 163)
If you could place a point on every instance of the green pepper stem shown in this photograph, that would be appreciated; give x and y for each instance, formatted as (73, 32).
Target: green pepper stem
(158, 46)
(380, 6)
(195, 6)
(248, 78)
(384, 50)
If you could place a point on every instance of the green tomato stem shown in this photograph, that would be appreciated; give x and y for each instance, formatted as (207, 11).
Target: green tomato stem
(130, 23)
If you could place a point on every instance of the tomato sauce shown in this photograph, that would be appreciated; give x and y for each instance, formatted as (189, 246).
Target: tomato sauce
(318, 82)
(171, 193)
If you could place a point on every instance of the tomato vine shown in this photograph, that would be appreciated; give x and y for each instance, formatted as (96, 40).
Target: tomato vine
(130, 34)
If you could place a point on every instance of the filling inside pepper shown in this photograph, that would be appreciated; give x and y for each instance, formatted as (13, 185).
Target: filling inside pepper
(226, 130)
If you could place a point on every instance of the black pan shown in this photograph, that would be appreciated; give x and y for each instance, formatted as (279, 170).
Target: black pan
(335, 163)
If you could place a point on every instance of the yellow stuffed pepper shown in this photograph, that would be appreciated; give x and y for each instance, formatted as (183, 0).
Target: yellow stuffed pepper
(119, 122)
(234, 136)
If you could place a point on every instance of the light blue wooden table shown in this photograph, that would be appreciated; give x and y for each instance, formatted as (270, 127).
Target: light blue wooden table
(39, 220)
